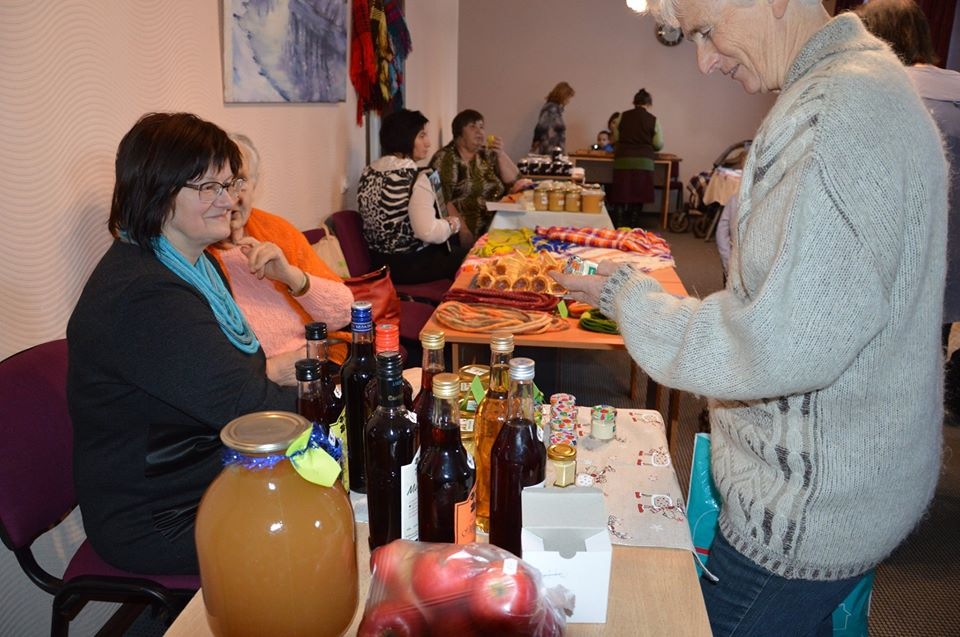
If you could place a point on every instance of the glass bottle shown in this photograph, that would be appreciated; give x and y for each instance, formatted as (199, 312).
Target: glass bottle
(446, 475)
(491, 414)
(356, 372)
(252, 573)
(332, 413)
(517, 461)
(391, 452)
(387, 339)
(309, 399)
(432, 342)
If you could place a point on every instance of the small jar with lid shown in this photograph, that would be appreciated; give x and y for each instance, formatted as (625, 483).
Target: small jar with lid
(563, 461)
(541, 197)
(270, 540)
(555, 199)
(571, 202)
(603, 422)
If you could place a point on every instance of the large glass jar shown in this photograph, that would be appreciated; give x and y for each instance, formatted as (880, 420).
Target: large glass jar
(277, 552)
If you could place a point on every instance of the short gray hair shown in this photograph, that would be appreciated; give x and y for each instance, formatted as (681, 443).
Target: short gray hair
(669, 11)
(250, 153)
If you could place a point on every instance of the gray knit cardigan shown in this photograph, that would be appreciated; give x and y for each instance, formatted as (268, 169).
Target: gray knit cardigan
(821, 360)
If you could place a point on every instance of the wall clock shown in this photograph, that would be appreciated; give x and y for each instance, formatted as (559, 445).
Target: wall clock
(669, 36)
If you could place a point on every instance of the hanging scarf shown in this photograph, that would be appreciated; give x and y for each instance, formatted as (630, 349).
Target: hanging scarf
(204, 277)
(363, 58)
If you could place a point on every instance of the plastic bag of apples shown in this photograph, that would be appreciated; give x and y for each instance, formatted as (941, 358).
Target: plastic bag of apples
(420, 589)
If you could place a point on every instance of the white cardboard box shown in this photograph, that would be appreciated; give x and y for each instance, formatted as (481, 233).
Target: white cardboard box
(565, 537)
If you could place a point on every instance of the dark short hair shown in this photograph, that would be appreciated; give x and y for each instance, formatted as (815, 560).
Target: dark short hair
(642, 98)
(903, 25)
(399, 130)
(161, 153)
(464, 119)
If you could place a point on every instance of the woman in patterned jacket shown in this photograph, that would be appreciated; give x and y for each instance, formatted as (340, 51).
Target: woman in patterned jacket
(405, 222)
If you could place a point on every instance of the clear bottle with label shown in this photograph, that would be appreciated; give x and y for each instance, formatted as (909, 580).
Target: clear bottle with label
(391, 451)
(356, 372)
(432, 342)
(446, 475)
(517, 461)
(491, 414)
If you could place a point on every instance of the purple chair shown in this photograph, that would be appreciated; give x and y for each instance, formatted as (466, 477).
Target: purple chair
(347, 225)
(36, 494)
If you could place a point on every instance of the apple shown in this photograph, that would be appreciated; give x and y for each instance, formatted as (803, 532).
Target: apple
(505, 595)
(441, 575)
(393, 618)
(390, 567)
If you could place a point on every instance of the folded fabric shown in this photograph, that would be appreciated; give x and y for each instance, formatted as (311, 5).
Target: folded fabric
(634, 240)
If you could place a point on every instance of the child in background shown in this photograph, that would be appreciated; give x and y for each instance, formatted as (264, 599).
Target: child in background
(603, 141)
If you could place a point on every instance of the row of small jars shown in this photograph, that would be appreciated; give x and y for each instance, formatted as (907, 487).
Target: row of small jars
(542, 165)
(569, 197)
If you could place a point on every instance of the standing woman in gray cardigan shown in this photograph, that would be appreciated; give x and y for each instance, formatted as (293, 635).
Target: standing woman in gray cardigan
(821, 358)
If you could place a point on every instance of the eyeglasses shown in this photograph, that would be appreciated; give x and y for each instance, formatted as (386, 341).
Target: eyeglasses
(209, 191)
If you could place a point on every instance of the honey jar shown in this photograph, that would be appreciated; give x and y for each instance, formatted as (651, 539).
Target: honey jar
(541, 198)
(555, 200)
(563, 459)
(572, 201)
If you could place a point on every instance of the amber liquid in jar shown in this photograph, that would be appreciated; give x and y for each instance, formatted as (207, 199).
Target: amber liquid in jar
(277, 553)
(491, 414)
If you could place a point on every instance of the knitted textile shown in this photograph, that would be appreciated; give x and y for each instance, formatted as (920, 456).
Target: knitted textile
(822, 357)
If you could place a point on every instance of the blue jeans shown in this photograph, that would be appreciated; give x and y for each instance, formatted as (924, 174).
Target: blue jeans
(750, 601)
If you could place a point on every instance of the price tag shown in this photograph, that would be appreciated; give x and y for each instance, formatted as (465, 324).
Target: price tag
(476, 388)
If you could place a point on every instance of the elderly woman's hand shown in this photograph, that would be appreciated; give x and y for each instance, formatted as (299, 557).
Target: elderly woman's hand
(521, 184)
(587, 288)
(281, 367)
(266, 259)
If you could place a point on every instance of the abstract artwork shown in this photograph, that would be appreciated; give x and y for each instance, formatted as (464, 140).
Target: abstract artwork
(284, 51)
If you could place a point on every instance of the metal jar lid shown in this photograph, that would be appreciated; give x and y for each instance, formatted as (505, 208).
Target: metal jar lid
(263, 432)
(521, 369)
(501, 342)
(561, 451)
(446, 385)
(432, 339)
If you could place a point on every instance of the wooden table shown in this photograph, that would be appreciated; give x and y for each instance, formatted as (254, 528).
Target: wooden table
(576, 338)
(653, 592)
(513, 216)
(599, 168)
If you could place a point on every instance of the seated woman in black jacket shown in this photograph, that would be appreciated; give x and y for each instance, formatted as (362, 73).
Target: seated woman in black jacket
(161, 358)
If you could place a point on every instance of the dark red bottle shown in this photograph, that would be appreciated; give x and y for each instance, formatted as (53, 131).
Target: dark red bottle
(446, 474)
(391, 452)
(356, 372)
(316, 336)
(432, 342)
(518, 459)
(309, 396)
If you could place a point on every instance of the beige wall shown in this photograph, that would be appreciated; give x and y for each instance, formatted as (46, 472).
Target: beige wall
(512, 53)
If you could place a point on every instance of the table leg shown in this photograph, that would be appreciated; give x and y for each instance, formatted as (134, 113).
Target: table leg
(673, 415)
(455, 357)
(634, 380)
(664, 213)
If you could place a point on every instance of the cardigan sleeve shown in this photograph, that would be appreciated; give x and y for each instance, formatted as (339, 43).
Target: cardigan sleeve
(423, 213)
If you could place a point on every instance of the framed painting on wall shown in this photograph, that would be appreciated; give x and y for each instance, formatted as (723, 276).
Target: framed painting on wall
(284, 51)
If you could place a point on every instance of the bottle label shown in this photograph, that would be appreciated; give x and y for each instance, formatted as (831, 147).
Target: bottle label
(465, 518)
(539, 433)
(338, 391)
(412, 416)
(409, 506)
(470, 462)
(338, 429)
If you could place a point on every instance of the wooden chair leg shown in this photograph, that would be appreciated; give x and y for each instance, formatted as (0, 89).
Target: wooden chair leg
(673, 415)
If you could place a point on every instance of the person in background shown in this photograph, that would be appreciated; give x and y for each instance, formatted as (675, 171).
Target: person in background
(405, 222)
(550, 133)
(604, 142)
(613, 125)
(639, 140)
(474, 169)
(160, 356)
(903, 25)
(821, 358)
(276, 278)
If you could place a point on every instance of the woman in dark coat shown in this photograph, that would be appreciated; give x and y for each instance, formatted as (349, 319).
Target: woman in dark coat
(639, 138)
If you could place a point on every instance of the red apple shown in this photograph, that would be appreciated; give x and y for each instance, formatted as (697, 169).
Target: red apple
(505, 595)
(441, 576)
(393, 618)
(390, 567)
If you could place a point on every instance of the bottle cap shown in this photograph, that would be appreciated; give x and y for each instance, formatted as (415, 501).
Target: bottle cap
(315, 331)
(521, 368)
(561, 451)
(308, 369)
(446, 385)
(501, 342)
(361, 316)
(389, 364)
(432, 339)
(387, 338)
(263, 432)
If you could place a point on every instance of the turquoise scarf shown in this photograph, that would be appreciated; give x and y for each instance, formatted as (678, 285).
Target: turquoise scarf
(204, 277)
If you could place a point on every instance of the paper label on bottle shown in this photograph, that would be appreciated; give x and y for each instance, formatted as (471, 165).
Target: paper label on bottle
(539, 433)
(470, 462)
(465, 518)
(412, 416)
(337, 391)
(338, 428)
(409, 506)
